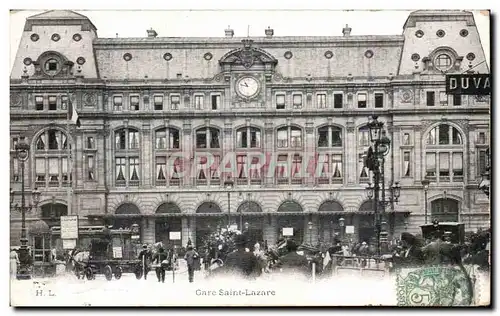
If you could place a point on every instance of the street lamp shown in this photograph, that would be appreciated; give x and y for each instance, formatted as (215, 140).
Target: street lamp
(246, 226)
(425, 184)
(22, 153)
(374, 161)
(310, 225)
(228, 184)
(406, 224)
(341, 224)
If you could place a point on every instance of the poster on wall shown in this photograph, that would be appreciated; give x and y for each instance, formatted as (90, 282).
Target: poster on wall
(175, 235)
(287, 231)
(69, 227)
(349, 229)
(117, 252)
(69, 243)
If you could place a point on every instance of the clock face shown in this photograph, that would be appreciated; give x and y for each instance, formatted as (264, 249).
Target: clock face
(247, 86)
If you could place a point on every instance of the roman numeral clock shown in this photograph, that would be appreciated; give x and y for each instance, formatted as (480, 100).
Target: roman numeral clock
(247, 91)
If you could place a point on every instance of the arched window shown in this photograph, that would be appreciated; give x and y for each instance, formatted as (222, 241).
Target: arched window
(444, 154)
(248, 137)
(51, 159)
(289, 137)
(207, 137)
(444, 210)
(127, 171)
(443, 62)
(167, 161)
(330, 164)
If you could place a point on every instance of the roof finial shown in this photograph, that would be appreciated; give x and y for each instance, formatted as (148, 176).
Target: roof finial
(248, 31)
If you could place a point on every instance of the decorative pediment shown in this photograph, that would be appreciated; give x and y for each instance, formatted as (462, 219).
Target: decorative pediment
(247, 57)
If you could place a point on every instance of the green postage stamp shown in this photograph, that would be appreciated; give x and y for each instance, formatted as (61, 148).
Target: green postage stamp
(435, 286)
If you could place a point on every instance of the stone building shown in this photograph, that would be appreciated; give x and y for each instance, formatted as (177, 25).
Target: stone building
(144, 101)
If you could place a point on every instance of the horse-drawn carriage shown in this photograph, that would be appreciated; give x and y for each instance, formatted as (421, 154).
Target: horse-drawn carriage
(111, 252)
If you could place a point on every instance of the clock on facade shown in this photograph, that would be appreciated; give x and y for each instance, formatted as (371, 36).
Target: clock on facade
(247, 86)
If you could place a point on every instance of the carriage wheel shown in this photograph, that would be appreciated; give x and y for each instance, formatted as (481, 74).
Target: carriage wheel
(89, 274)
(138, 272)
(118, 273)
(108, 272)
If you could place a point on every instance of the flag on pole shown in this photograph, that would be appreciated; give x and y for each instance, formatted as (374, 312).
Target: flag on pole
(72, 114)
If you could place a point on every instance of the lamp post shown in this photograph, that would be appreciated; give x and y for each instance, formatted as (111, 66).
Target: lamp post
(22, 154)
(310, 225)
(247, 226)
(406, 224)
(425, 184)
(228, 184)
(342, 225)
(374, 161)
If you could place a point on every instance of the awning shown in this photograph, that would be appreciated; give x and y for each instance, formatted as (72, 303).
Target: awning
(289, 213)
(250, 214)
(323, 213)
(113, 216)
(163, 215)
(208, 214)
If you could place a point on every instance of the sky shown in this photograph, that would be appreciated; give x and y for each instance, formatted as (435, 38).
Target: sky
(212, 23)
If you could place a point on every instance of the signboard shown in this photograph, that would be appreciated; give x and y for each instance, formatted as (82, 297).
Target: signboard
(69, 227)
(287, 231)
(349, 229)
(117, 252)
(233, 227)
(69, 243)
(175, 235)
(475, 84)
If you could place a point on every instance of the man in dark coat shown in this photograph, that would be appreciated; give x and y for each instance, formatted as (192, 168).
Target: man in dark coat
(439, 252)
(191, 256)
(242, 262)
(412, 255)
(161, 259)
(293, 262)
(145, 257)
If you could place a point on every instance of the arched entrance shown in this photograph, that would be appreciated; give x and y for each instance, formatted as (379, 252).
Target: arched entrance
(366, 224)
(444, 210)
(127, 214)
(253, 222)
(291, 215)
(51, 216)
(170, 221)
(330, 212)
(210, 219)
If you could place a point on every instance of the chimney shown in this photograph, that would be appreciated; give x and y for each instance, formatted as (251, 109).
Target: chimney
(269, 32)
(346, 30)
(229, 32)
(152, 33)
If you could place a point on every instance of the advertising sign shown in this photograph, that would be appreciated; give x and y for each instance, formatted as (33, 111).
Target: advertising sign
(117, 252)
(287, 231)
(475, 84)
(69, 227)
(349, 229)
(175, 235)
(69, 243)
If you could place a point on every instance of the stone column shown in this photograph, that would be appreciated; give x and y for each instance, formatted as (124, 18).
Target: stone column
(418, 156)
(268, 151)
(350, 158)
(148, 231)
(270, 231)
(308, 154)
(146, 156)
(187, 153)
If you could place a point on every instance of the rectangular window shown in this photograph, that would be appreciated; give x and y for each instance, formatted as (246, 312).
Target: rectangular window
(64, 102)
(134, 169)
(338, 100)
(364, 137)
(321, 100)
(337, 166)
(254, 138)
(297, 101)
(482, 138)
(133, 140)
(379, 100)
(457, 99)
(430, 165)
(214, 138)
(215, 102)
(364, 174)
(282, 138)
(214, 169)
(458, 168)
(296, 138)
(15, 169)
(39, 103)
(280, 101)
(120, 169)
(120, 142)
(406, 164)
(281, 169)
(336, 137)
(173, 138)
(296, 169)
(161, 139)
(52, 103)
(406, 139)
(40, 169)
(198, 102)
(118, 103)
(443, 98)
(444, 166)
(175, 101)
(161, 169)
(430, 98)
(482, 160)
(90, 168)
(201, 139)
(323, 137)
(241, 164)
(53, 170)
(134, 103)
(158, 100)
(242, 139)
(90, 143)
(362, 100)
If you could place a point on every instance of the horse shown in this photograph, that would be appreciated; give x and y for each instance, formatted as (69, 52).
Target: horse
(76, 262)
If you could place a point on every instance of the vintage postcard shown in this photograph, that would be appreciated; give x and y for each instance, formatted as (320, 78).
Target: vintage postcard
(240, 158)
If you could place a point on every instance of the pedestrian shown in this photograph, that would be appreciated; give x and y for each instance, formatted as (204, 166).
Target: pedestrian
(191, 257)
(145, 257)
(293, 262)
(14, 261)
(161, 260)
(240, 261)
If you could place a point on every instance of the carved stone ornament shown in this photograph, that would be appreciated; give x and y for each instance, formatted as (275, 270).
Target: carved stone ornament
(482, 98)
(406, 96)
(246, 55)
(15, 99)
(89, 98)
